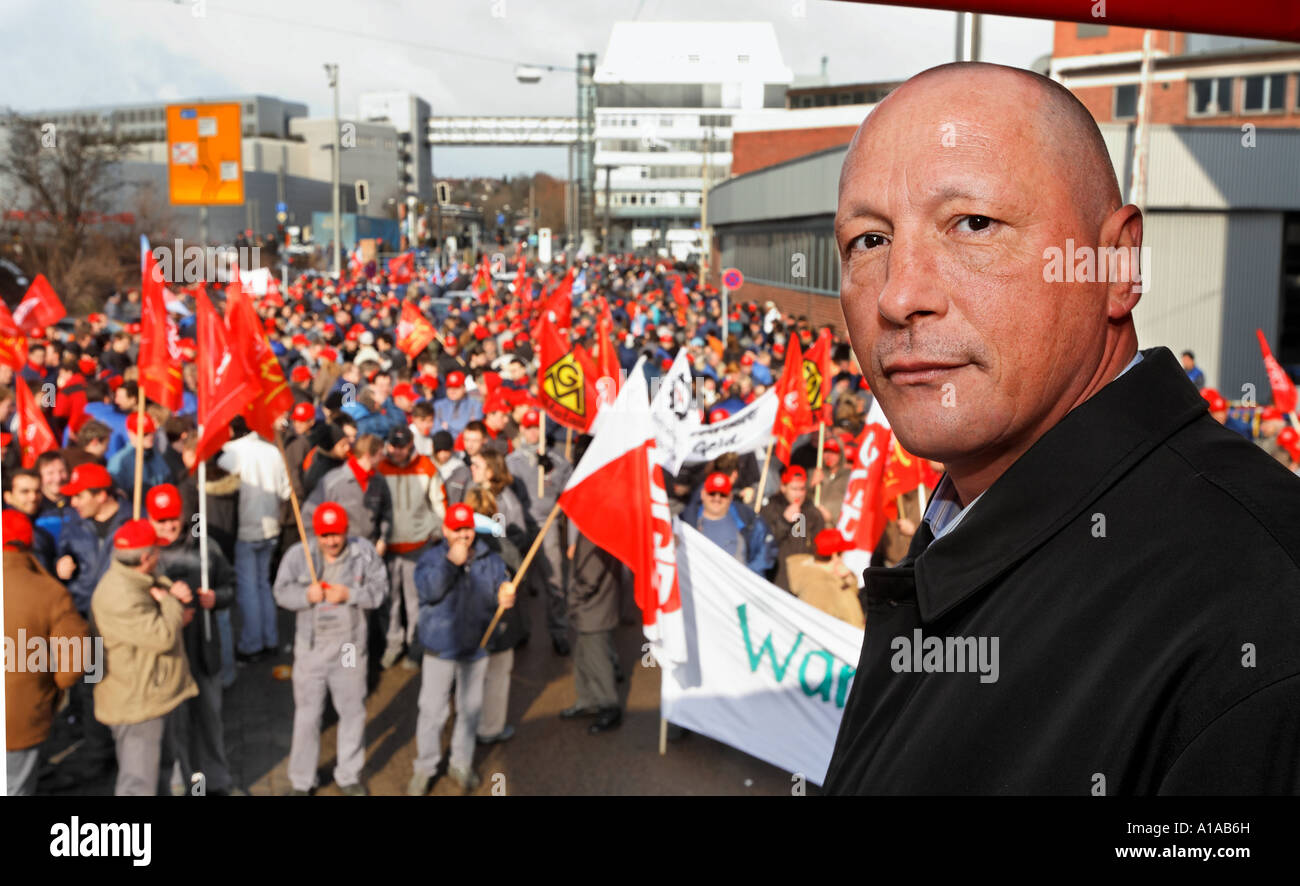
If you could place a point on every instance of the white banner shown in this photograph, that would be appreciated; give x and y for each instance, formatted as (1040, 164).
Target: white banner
(680, 438)
(765, 673)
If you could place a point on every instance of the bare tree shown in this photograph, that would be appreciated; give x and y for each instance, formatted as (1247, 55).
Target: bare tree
(61, 184)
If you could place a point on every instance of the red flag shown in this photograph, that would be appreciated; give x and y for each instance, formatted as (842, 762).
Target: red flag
(226, 382)
(40, 307)
(679, 294)
(566, 383)
(862, 515)
(34, 434)
(559, 304)
(483, 280)
(793, 415)
(1284, 393)
(414, 331)
(13, 344)
(607, 365)
(817, 377)
(401, 268)
(616, 498)
(160, 347)
(248, 338)
(523, 289)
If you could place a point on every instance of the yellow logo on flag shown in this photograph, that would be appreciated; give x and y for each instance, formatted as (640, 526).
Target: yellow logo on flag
(564, 383)
(812, 379)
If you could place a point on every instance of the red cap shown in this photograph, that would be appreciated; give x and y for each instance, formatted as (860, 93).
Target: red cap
(300, 341)
(329, 354)
(480, 333)
(531, 419)
(666, 364)
(718, 482)
(508, 344)
(163, 502)
(303, 412)
(832, 444)
(135, 534)
(114, 382)
(133, 329)
(830, 541)
(330, 519)
(352, 335)
(405, 390)
(495, 403)
(778, 350)
(455, 379)
(851, 453)
(86, 365)
(459, 516)
(150, 427)
(718, 415)
(96, 318)
(300, 375)
(1271, 413)
(1215, 399)
(429, 381)
(794, 472)
(1288, 437)
(17, 529)
(521, 337)
(87, 476)
(747, 359)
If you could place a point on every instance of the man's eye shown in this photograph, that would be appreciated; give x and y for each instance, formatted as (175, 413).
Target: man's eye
(868, 241)
(974, 223)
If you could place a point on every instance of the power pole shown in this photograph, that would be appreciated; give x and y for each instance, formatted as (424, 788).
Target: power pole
(332, 71)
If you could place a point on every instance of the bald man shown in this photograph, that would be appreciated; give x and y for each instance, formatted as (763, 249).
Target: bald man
(1103, 596)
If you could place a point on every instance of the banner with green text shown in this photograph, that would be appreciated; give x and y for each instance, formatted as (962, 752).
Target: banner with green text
(765, 672)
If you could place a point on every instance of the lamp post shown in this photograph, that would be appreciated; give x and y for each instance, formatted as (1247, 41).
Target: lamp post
(332, 72)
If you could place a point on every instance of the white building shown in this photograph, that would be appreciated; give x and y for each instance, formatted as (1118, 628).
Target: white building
(666, 96)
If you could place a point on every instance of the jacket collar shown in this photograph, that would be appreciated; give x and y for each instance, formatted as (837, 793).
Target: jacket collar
(1076, 461)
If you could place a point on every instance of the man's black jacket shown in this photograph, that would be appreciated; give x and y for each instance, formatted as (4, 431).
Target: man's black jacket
(1138, 567)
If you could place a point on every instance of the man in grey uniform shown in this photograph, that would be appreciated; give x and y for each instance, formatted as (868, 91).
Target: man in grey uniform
(329, 648)
(548, 572)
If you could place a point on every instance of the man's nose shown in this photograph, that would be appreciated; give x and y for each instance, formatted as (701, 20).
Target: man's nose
(913, 283)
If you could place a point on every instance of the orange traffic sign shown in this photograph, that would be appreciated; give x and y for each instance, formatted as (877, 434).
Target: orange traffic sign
(204, 154)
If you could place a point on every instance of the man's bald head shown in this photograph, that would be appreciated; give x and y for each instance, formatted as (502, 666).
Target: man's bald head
(953, 194)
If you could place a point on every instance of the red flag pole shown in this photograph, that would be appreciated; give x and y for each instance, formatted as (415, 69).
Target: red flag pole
(821, 441)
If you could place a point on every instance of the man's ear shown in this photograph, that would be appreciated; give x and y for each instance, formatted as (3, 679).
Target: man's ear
(1126, 276)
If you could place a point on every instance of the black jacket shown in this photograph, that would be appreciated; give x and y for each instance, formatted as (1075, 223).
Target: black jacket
(1138, 568)
(180, 561)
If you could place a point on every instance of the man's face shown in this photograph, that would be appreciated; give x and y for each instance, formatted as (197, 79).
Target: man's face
(341, 448)
(167, 530)
(350, 433)
(381, 387)
(87, 502)
(25, 495)
(716, 504)
(97, 447)
(532, 435)
(400, 455)
(473, 441)
(942, 225)
(54, 474)
(125, 402)
(302, 427)
(1188, 362)
(331, 545)
(454, 394)
(465, 536)
(478, 470)
(496, 420)
(424, 425)
(830, 459)
(795, 491)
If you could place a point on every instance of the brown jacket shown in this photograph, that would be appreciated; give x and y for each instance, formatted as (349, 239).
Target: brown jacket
(146, 673)
(39, 606)
(893, 543)
(815, 584)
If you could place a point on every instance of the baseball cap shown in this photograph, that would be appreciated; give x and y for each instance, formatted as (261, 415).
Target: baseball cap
(459, 516)
(832, 444)
(303, 412)
(163, 502)
(86, 365)
(135, 534)
(747, 358)
(329, 354)
(87, 476)
(17, 528)
(1270, 413)
(794, 472)
(718, 415)
(455, 379)
(718, 482)
(443, 442)
(300, 375)
(405, 390)
(401, 437)
(531, 419)
(1215, 399)
(330, 519)
(830, 541)
(495, 403)
(132, 422)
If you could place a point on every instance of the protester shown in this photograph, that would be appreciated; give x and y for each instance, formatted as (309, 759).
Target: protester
(793, 520)
(821, 579)
(732, 525)
(35, 607)
(593, 608)
(454, 471)
(330, 643)
(22, 493)
(146, 676)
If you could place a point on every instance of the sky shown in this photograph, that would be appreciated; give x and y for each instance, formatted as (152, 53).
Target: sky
(459, 55)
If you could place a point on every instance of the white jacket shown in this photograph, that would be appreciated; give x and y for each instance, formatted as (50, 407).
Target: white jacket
(264, 484)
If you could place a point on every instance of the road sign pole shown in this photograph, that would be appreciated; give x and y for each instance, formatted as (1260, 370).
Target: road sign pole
(726, 331)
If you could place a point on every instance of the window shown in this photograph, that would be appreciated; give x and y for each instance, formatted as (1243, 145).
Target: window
(743, 59)
(1126, 101)
(1084, 31)
(1264, 93)
(1210, 97)
(859, 98)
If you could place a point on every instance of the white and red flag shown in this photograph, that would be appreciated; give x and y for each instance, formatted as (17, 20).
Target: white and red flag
(1284, 393)
(616, 497)
(40, 307)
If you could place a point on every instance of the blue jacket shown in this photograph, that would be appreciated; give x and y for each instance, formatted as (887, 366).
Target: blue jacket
(122, 467)
(377, 423)
(457, 602)
(760, 544)
(92, 553)
(452, 416)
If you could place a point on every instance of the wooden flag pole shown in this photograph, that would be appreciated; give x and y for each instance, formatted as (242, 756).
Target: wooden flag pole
(568, 444)
(139, 446)
(920, 493)
(541, 451)
(762, 480)
(523, 567)
(821, 441)
(297, 512)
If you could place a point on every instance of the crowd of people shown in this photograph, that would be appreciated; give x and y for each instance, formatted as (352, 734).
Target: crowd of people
(421, 482)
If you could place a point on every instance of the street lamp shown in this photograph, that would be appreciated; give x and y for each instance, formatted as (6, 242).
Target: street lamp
(332, 72)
